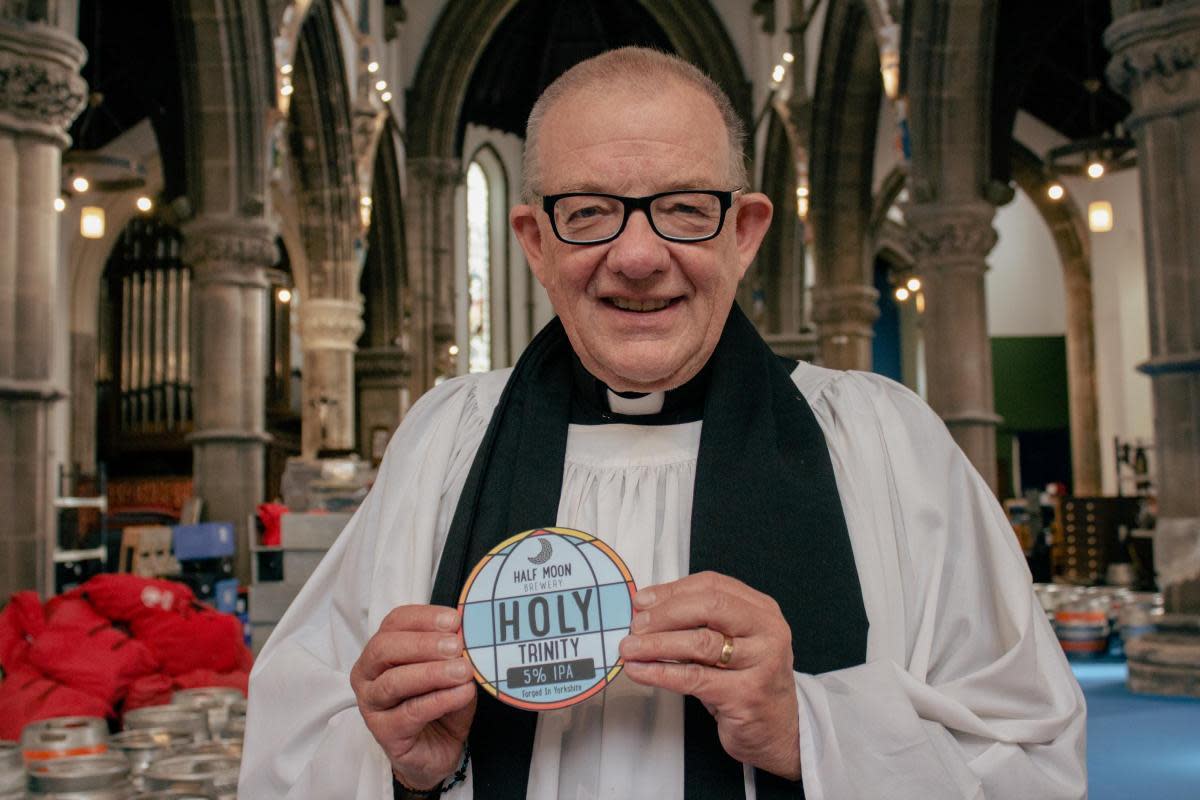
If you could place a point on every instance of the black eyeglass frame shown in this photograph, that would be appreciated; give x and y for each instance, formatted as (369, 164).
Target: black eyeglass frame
(631, 204)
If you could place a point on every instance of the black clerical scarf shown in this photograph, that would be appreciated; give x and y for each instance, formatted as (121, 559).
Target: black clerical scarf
(765, 510)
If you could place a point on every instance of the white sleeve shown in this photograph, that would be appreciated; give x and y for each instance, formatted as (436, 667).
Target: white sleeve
(965, 692)
(305, 737)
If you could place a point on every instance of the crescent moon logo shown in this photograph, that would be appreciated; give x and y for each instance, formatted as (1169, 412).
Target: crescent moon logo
(546, 551)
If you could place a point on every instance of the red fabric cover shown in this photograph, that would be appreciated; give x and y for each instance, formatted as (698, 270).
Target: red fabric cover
(201, 639)
(102, 661)
(128, 598)
(268, 515)
(200, 678)
(76, 658)
(149, 690)
(72, 612)
(20, 621)
(27, 696)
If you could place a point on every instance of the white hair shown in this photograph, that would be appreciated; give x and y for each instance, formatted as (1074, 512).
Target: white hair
(641, 69)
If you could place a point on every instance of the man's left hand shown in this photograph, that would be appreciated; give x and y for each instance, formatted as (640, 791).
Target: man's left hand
(680, 631)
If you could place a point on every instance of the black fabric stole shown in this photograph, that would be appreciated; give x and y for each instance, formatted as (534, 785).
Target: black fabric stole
(766, 511)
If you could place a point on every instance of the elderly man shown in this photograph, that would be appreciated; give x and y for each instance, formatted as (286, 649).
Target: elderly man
(831, 603)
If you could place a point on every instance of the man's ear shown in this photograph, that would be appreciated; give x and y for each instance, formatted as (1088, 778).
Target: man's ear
(752, 218)
(524, 222)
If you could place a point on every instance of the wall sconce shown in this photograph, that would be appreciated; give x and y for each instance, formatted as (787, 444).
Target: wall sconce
(1100, 216)
(91, 222)
(802, 202)
(889, 59)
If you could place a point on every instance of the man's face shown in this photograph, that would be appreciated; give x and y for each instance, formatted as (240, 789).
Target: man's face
(643, 313)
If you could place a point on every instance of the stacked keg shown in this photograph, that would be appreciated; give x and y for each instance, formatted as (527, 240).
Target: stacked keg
(189, 749)
(1095, 621)
(12, 772)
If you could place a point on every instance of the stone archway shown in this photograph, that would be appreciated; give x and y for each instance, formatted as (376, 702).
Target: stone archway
(325, 179)
(845, 117)
(382, 364)
(946, 68)
(1071, 239)
(434, 166)
(776, 295)
(224, 51)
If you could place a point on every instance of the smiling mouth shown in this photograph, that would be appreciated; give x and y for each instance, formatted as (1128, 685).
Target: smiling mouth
(640, 306)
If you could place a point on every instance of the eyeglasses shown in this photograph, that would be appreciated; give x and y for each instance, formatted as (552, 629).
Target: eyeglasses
(695, 215)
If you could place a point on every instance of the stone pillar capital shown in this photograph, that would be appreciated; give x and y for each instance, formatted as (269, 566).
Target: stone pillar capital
(855, 305)
(1156, 60)
(439, 171)
(383, 362)
(229, 251)
(951, 235)
(41, 90)
(328, 324)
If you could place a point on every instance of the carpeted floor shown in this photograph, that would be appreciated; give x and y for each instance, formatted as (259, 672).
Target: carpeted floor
(1139, 747)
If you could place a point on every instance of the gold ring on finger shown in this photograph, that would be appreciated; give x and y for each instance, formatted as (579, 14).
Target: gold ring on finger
(726, 653)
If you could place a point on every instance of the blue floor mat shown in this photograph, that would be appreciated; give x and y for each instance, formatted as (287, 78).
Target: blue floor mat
(1140, 747)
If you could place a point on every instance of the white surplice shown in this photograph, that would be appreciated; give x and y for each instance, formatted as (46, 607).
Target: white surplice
(964, 694)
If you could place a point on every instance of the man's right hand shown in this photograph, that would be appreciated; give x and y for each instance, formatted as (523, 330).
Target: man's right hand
(415, 692)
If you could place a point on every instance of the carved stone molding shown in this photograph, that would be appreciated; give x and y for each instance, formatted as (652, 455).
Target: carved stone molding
(233, 251)
(41, 90)
(382, 362)
(327, 324)
(845, 305)
(1156, 57)
(950, 233)
(895, 242)
(440, 172)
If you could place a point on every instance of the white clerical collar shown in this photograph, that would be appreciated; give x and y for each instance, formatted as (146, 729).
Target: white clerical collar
(650, 403)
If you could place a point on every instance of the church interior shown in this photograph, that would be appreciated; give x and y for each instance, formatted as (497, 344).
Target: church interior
(239, 239)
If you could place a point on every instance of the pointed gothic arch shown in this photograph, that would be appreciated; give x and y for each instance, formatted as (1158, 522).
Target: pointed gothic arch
(465, 27)
(323, 159)
(845, 118)
(434, 164)
(1074, 250)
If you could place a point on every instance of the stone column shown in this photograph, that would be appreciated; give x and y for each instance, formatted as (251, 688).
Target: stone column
(228, 258)
(1081, 379)
(951, 244)
(329, 330)
(429, 233)
(845, 317)
(382, 375)
(1156, 63)
(41, 91)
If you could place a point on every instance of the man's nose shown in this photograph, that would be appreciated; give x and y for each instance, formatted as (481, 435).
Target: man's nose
(638, 252)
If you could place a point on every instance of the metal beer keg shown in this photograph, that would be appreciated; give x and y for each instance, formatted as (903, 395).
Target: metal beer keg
(61, 737)
(225, 786)
(102, 777)
(12, 771)
(235, 728)
(143, 746)
(191, 772)
(176, 719)
(217, 747)
(1082, 627)
(217, 701)
(238, 707)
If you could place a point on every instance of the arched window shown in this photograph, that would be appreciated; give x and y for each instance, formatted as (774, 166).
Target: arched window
(479, 270)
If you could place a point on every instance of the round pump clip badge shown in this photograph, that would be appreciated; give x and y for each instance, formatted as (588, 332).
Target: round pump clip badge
(542, 616)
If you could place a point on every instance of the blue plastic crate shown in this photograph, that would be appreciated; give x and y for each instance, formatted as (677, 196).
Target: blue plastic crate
(225, 594)
(204, 540)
